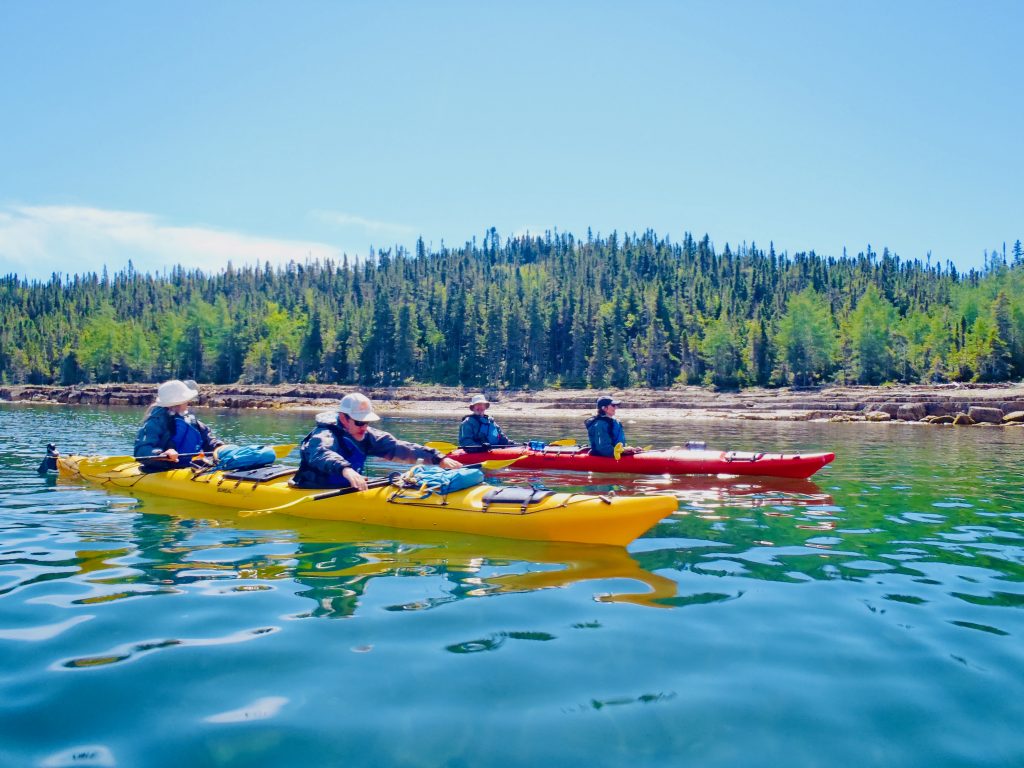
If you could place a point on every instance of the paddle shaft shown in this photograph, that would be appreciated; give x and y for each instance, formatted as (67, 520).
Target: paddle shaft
(168, 458)
(378, 483)
(443, 447)
(381, 482)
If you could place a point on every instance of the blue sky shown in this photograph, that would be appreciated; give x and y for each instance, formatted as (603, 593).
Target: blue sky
(197, 132)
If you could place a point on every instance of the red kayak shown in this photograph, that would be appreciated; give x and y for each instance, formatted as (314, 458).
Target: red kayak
(674, 461)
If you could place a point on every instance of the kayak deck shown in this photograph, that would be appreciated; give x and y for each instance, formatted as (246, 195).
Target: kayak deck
(675, 461)
(573, 517)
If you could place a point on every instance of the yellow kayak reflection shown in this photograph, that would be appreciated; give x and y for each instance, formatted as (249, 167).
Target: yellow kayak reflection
(336, 561)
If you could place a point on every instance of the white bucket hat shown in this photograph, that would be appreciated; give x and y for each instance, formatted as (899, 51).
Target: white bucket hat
(477, 399)
(357, 406)
(174, 392)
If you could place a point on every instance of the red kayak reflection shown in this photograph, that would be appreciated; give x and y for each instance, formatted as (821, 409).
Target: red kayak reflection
(703, 490)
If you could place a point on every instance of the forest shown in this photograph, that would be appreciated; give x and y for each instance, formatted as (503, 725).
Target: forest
(635, 310)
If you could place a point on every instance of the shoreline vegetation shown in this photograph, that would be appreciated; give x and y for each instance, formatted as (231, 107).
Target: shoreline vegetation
(941, 404)
(630, 312)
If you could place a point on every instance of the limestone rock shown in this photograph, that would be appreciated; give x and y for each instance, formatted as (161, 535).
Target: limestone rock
(941, 409)
(911, 412)
(962, 419)
(980, 413)
(877, 416)
(1015, 417)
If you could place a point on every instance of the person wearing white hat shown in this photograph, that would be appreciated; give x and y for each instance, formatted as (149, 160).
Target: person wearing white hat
(334, 453)
(170, 436)
(478, 430)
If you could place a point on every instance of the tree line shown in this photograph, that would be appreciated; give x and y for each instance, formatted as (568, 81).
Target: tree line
(529, 312)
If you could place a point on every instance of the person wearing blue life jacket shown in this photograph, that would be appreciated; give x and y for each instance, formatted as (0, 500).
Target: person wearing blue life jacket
(334, 453)
(478, 429)
(605, 431)
(170, 436)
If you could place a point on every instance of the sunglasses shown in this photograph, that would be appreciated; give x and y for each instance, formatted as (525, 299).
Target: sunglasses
(359, 423)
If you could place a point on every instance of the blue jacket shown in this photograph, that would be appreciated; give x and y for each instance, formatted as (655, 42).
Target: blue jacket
(480, 430)
(604, 432)
(162, 430)
(328, 450)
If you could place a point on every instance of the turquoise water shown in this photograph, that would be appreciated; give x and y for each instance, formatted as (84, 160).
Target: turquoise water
(872, 617)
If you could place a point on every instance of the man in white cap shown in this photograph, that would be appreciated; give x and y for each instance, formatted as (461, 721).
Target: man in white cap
(334, 453)
(478, 429)
(170, 436)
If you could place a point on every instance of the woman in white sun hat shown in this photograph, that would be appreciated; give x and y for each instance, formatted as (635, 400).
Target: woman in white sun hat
(170, 436)
(478, 429)
(334, 453)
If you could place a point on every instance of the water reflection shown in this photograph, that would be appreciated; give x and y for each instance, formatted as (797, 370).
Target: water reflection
(177, 543)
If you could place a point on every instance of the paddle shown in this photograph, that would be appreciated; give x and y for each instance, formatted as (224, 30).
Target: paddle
(378, 483)
(443, 447)
(617, 451)
(102, 463)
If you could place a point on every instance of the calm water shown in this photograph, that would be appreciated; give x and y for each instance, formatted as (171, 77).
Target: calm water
(872, 617)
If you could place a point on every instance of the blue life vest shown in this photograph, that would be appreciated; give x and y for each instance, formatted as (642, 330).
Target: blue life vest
(481, 429)
(353, 455)
(187, 439)
(604, 432)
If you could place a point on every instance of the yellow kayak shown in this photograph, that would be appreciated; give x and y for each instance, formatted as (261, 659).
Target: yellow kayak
(483, 509)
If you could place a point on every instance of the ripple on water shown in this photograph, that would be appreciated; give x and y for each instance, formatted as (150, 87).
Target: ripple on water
(261, 709)
(88, 755)
(134, 651)
(43, 632)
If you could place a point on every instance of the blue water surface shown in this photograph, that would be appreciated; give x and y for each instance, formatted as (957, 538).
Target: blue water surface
(871, 616)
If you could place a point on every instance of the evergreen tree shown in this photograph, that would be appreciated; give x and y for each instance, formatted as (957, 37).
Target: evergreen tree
(806, 339)
(869, 332)
(720, 349)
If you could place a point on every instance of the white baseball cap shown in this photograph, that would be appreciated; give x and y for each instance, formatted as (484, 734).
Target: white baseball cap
(477, 399)
(174, 392)
(357, 406)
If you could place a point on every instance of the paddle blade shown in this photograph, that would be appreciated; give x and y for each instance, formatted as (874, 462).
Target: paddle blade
(495, 464)
(617, 452)
(280, 451)
(443, 447)
(564, 441)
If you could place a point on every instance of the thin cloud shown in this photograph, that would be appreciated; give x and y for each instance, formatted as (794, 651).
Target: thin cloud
(38, 240)
(341, 219)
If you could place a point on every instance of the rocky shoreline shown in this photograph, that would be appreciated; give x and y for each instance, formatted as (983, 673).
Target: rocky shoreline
(942, 404)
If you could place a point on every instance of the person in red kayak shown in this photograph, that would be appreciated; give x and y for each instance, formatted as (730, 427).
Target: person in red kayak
(478, 430)
(605, 431)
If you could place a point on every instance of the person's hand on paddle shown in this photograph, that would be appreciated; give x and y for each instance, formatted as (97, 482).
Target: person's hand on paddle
(448, 463)
(356, 480)
(170, 455)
